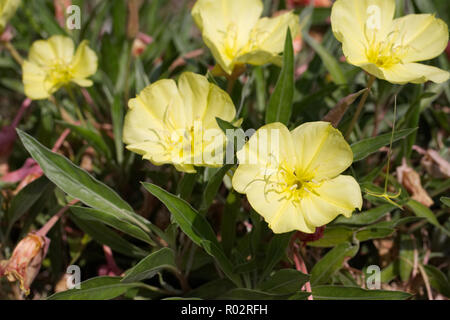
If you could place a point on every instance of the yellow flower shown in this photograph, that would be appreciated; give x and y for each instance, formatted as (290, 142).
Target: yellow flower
(236, 35)
(177, 125)
(7, 10)
(389, 48)
(293, 178)
(52, 64)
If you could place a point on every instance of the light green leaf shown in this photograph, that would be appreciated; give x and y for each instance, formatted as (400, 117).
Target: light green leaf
(423, 212)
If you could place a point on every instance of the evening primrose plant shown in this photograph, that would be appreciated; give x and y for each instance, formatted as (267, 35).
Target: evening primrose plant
(230, 156)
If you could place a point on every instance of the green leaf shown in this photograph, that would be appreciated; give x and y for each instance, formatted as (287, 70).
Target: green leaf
(89, 214)
(26, 198)
(370, 233)
(249, 294)
(366, 147)
(150, 265)
(423, 212)
(446, 201)
(366, 217)
(212, 289)
(280, 103)
(284, 281)
(406, 257)
(352, 293)
(102, 234)
(79, 184)
(195, 226)
(330, 62)
(332, 262)
(99, 288)
(212, 188)
(275, 252)
(438, 280)
(333, 236)
(117, 121)
(228, 225)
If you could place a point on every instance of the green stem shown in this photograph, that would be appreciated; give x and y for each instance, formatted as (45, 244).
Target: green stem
(361, 104)
(75, 103)
(14, 53)
(390, 146)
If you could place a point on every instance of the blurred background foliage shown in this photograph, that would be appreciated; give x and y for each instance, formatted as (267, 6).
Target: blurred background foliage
(411, 245)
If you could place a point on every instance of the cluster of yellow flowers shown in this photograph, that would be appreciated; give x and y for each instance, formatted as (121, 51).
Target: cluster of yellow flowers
(300, 187)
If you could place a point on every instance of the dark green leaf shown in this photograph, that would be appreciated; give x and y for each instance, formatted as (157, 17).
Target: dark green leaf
(79, 184)
(332, 262)
(366, 147)
(150, 265)
(280, 103)
(100, 288)
(329, 61)
(352, 293)
(284, 281)
(195, 226)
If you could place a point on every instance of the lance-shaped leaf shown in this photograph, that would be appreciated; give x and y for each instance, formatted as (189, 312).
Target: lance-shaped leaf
(280, 103)
(195, 226)
(79, 184)
(353, 293)
(366, 147)
(332, 262)
(99, 288)
(150, 265)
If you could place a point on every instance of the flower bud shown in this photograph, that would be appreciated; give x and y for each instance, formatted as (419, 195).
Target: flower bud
(26, 260)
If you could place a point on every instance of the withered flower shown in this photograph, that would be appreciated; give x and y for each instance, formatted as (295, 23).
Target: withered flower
(26, 260)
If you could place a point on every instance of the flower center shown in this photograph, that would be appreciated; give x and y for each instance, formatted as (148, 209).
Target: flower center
(292, 185)
(385, 53)
(59, 73)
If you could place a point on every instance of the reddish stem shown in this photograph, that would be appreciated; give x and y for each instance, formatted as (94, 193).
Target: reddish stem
(300, 266)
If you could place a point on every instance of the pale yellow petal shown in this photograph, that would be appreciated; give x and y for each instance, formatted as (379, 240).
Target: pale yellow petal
(33, 78)
(414, 73)
(226, 26)
(85, 62)
(63, 48)
(268, 37)
(322, 151)
(281, 214)
(205, 101)
(271, 147)
(355, 22)
(83, 82)
(341, 195)
(422, 36)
